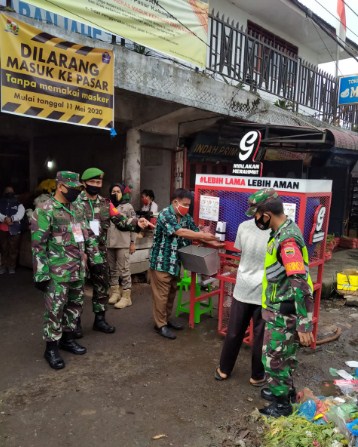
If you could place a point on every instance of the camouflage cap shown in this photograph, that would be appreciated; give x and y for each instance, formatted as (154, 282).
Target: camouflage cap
(259, 198)
(90, 173)
(68, 178)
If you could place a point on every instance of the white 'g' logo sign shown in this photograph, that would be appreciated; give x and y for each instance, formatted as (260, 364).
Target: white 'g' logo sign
(317, 233)
(320, 218)
(248, 145)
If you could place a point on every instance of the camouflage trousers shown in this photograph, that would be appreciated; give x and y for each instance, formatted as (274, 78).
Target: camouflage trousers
(100, 285)
(279, 351)
(63, 306)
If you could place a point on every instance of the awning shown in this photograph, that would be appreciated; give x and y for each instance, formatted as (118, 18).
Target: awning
(302, 139)
(342, 140)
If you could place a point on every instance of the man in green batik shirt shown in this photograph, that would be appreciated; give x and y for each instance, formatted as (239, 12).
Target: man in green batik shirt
(287, 301)
(175, 229)
(62, 242)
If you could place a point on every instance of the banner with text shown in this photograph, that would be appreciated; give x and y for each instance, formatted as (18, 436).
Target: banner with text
(177, 28)
(49, 78)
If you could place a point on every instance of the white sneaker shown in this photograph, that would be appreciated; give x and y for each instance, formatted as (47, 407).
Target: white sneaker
(2, 270)
(11, 271)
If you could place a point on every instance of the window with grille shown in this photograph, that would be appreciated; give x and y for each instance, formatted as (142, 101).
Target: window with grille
(271, 39)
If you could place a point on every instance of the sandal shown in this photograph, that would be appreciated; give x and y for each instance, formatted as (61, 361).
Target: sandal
(218, 376)
(258, 383)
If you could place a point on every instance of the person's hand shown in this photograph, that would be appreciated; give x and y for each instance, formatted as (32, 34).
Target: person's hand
(207, 237)
(42, 285)
(8, 220)
(216, 244)
(144, 223)
(306, 338)
(132, 248)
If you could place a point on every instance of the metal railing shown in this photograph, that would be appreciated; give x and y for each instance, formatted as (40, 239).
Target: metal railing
(237, 56)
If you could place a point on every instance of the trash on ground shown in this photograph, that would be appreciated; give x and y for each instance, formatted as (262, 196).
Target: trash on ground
(161, 436)
(320, 421)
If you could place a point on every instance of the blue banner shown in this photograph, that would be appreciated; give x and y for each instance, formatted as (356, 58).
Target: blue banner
(348, 90)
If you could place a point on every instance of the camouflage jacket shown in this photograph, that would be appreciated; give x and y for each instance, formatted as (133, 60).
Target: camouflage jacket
(56, 254)
(97, 209)
(286, 278)
(123, 222)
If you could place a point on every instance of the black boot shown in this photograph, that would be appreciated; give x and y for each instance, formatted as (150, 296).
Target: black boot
(68, 343)
(267, 395)
(280, 407)
(53, 356)
(78, 333)
(100, 324)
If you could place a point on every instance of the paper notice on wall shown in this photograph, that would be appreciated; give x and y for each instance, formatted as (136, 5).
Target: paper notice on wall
(209, 208)
(290, 210)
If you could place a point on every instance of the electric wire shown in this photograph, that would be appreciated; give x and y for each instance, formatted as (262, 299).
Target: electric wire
(336, 19)
(350, 8)
(182, 24)
(324, 29)
(324, 43)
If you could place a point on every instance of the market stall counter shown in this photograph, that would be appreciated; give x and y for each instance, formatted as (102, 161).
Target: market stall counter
(219, 205)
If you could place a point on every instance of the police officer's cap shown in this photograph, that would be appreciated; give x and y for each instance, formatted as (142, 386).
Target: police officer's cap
(259, 198)
(92, 173)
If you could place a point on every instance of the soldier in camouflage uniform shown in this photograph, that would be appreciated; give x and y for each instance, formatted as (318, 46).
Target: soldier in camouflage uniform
(287, 301)
(61, 244)
(97, 214)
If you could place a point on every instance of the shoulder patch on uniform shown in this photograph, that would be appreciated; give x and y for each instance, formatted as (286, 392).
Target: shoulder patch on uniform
(292, 258)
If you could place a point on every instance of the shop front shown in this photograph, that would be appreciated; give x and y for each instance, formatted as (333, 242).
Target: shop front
(250, 149)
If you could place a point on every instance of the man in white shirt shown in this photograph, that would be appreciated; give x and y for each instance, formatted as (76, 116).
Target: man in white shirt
(252, 242)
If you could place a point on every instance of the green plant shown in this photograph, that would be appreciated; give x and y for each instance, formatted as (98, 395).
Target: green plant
(284, 104)
(296, 431)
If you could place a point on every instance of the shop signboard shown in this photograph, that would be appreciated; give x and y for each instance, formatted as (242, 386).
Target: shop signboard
(249, 146)
(206, 146)
(49, 78)
(245, 156)
(176, 28)
(348, 90)
(50, 18)
(281, 184)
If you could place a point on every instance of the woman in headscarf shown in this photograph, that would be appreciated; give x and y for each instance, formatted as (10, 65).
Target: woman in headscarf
(120, 245)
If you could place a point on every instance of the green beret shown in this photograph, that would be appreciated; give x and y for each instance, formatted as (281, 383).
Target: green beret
(90, 173)
(259, 198)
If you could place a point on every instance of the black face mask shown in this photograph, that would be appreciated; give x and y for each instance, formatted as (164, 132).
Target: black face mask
(9, 195)
(71, 194)
(261, 224)
(92, 190)
(114, 200)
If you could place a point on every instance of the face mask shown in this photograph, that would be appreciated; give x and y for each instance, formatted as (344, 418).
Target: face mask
(182, 210)
(9, 195)
(145, 201)
(116, 198)
(261, 224)
(71, 194)
(92, 190)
